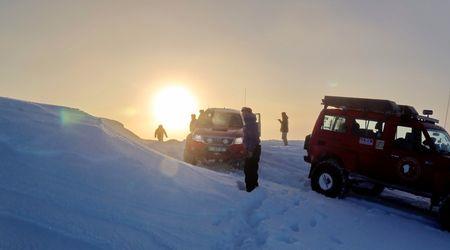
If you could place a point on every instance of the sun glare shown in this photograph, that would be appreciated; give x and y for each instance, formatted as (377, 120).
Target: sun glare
(172, 107)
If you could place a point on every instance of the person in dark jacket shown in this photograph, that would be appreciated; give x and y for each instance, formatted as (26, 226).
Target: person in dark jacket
(284, 127)
(193, 124)
(253, 147)
(160, 132)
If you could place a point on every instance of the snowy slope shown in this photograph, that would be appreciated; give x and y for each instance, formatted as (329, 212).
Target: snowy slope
(69, 180)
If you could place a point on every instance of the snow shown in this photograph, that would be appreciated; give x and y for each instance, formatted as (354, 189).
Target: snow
(69, 180)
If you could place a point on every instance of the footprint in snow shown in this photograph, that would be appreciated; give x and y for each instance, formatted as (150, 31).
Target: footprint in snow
(336, 240)
(321, 214)
(313, 222)
(224, 217)
(298, 200)
(256, 218)
(284, 210)
(287, 239)
(295, 227)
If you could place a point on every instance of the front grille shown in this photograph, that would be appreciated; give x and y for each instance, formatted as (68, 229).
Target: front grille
(212, 140)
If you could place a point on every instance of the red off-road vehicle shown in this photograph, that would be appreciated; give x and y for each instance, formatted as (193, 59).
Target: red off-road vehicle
(379, 144)
(218, 138)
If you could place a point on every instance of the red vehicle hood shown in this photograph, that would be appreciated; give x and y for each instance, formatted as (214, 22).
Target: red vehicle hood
(219, 132)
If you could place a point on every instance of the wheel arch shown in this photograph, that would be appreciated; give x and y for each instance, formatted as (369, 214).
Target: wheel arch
(325, 157)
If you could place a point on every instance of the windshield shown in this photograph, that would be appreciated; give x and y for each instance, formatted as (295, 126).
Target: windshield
(441, 140)
(218, 119)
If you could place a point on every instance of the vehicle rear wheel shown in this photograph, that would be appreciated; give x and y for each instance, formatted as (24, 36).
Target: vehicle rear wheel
(329, 179)
(368, 189)
(444, 214)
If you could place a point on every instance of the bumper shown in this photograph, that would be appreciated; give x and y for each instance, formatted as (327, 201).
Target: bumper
(210, 154)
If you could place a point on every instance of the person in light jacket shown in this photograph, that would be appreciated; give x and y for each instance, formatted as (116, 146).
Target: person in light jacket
(284, 127)
(193, 124)
(160, 132)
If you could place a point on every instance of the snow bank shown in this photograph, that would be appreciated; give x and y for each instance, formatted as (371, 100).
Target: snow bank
(69, 180)
(68, 175)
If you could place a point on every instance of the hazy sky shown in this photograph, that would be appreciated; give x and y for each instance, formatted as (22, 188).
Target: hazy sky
(109, 58)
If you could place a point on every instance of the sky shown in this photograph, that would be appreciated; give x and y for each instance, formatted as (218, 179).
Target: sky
(111, 58)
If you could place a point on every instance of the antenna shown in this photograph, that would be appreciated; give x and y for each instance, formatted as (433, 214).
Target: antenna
(446, 112)
(245, 97)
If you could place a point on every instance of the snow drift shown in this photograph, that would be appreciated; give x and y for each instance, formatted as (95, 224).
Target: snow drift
(69, 180)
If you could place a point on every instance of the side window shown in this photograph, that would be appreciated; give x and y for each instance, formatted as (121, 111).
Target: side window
(334, 123)
(422, 142)
(402, 131)
(368, 128)
(409, 138)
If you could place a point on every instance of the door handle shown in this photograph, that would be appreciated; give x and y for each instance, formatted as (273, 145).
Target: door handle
(395, 156)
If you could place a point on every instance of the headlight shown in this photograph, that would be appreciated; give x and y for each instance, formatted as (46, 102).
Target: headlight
(197, 138)
(238, 140)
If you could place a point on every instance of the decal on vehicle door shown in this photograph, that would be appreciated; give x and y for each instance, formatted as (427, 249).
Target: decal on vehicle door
(365, 141)
(409, 169)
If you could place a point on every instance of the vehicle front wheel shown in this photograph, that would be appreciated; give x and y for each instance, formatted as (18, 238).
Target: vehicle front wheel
(189, 158)
(329, 179)
(444, 214)
(239, 164)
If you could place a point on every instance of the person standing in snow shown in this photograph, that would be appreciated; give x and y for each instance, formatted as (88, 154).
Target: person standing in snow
(253, 147)
(193, 124)
(160, 132)
(284, 127)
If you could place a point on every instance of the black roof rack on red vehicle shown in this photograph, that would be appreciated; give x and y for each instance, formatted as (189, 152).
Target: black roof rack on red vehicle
(376, 105)
(362, 104)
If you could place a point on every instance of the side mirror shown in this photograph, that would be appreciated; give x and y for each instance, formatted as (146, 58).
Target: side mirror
(258, 120)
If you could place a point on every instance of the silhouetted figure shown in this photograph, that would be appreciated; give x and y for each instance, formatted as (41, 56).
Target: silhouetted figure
(160, 132)
(253, 147)
(201, 114)
(193, 124)
(284, 127)
(204, 119)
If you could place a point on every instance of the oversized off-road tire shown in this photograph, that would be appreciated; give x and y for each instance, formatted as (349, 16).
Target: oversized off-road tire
(189, 158)
(329, 179)
(444, 214)
(371, 189)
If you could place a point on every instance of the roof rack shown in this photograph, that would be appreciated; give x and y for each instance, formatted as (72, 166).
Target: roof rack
(362, 104)
(376, 105)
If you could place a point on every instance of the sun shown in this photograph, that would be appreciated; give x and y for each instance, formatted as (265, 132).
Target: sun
(172, 107)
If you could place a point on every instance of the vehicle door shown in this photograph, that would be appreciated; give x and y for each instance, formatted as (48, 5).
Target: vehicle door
(368, 140)
(333, 134)
(410, 162)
